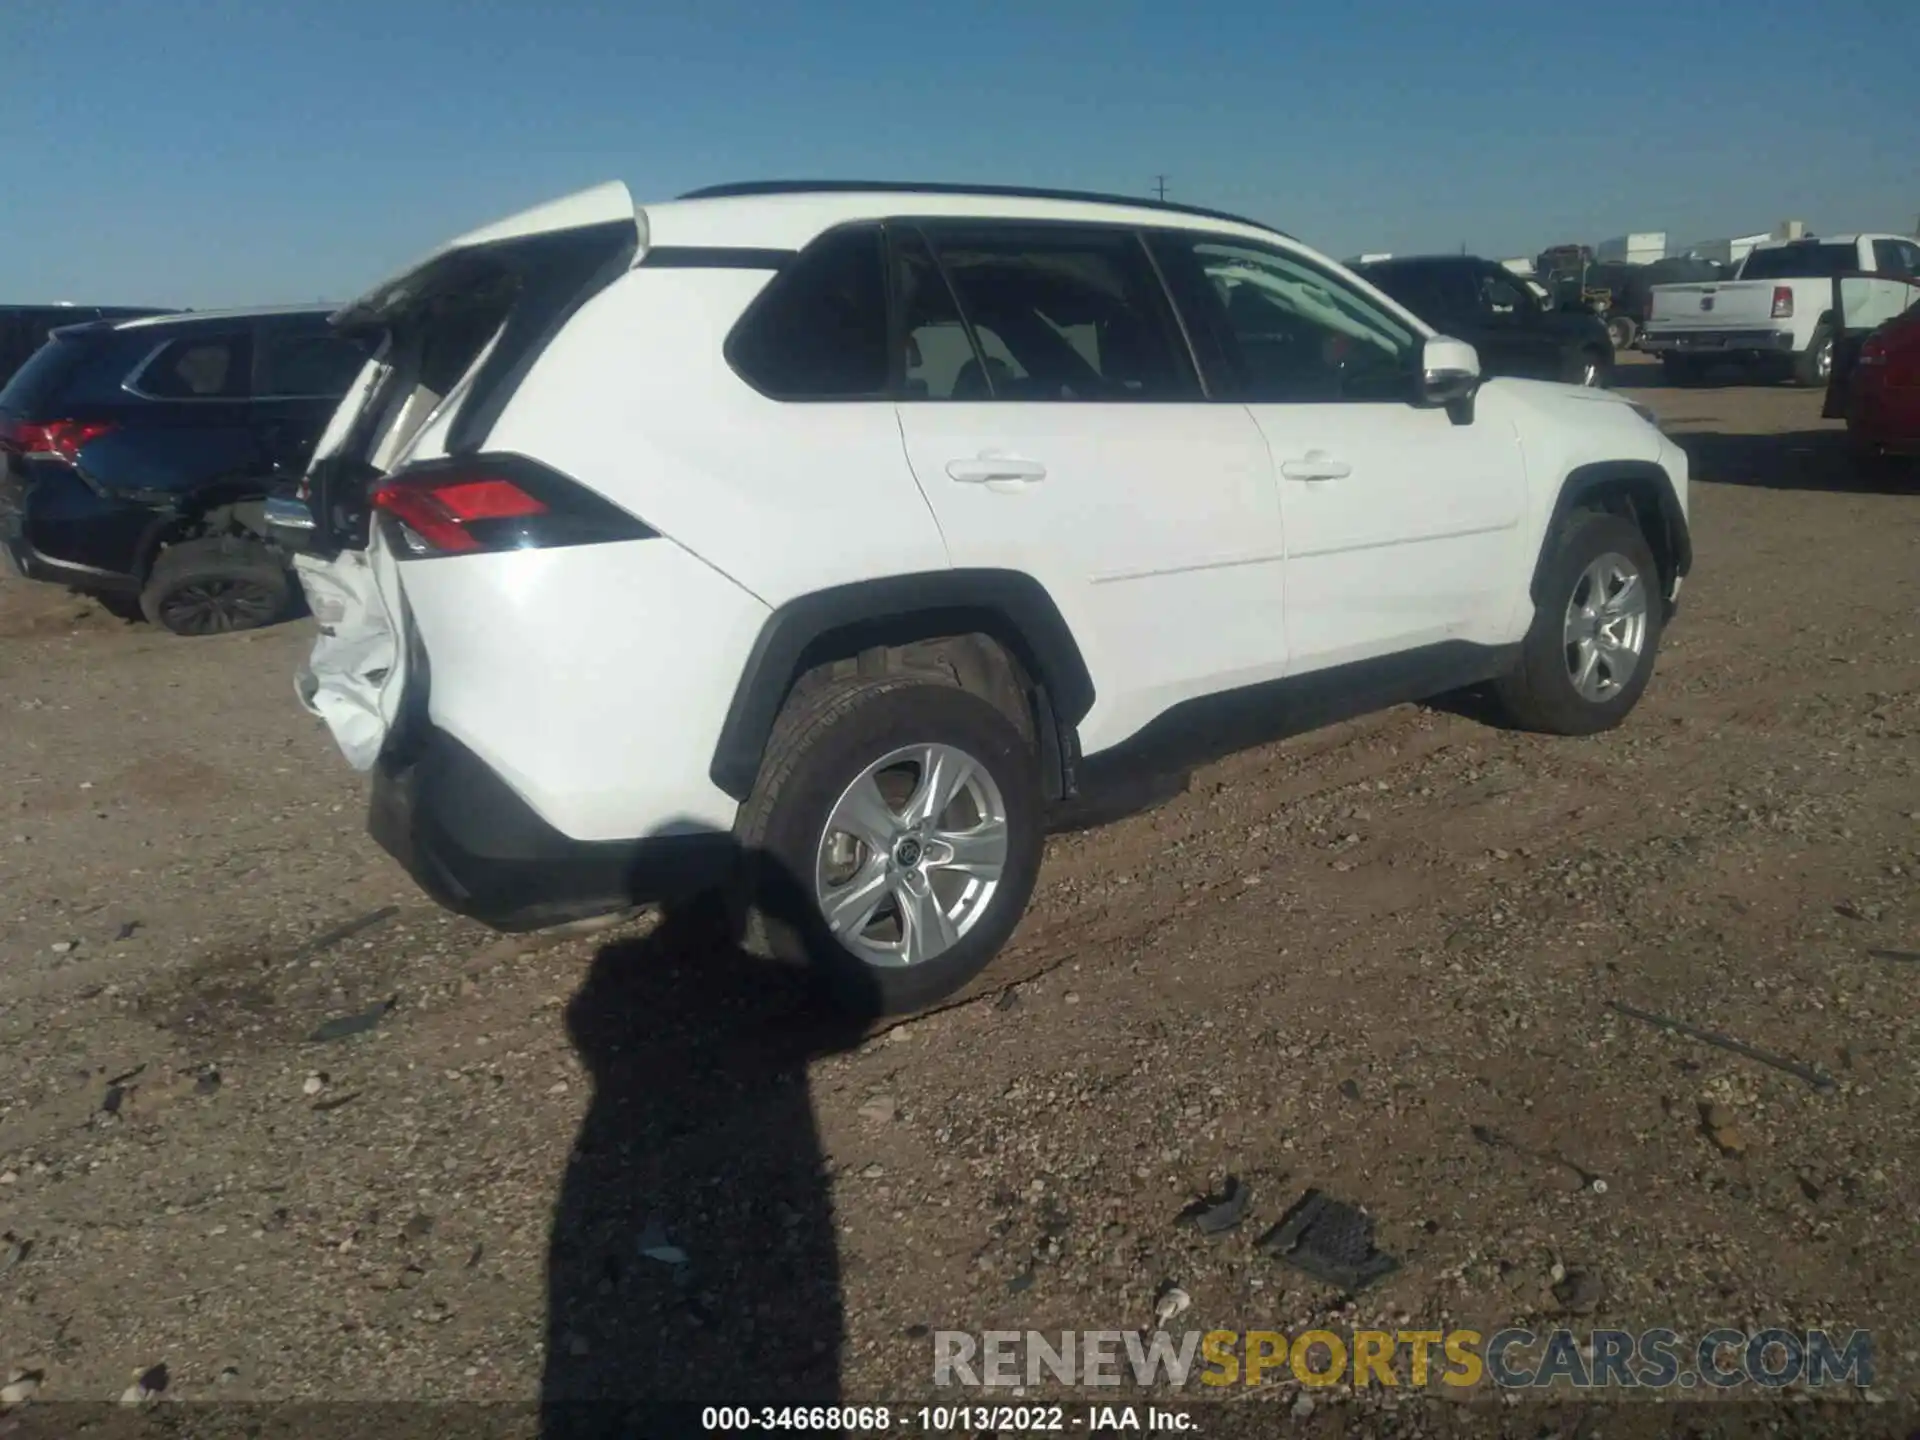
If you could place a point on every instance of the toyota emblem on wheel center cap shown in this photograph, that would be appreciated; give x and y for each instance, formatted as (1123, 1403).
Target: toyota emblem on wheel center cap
(907, 853)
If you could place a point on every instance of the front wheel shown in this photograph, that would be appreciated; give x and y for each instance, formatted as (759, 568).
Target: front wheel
(893, 838)
(1596, 628)
(1593, 369)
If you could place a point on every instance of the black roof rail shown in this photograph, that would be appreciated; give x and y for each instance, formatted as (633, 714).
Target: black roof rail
(912, 187)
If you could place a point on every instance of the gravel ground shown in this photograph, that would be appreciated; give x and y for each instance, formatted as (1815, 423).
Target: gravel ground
(1379, 961)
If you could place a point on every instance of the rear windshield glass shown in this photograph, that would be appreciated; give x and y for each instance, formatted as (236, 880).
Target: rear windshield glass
(1800, 262)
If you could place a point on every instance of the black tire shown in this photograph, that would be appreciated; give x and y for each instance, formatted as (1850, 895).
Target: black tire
(1597, 363)
(820, 745)
(213, 587)
(1539, 694)
(1622, 331)
(1812, 366)
(1682, 369)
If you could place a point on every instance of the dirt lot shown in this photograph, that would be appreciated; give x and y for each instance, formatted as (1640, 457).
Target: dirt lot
(1378, 960)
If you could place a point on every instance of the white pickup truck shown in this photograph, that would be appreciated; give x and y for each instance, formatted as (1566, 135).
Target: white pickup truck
(1775, 313)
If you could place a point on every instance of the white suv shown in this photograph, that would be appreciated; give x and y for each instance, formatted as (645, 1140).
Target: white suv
(829, 541)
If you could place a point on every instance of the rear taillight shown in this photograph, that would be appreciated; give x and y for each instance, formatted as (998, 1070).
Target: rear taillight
(61, 439)
(473, 505)
(1783, 302)
(1874, 351)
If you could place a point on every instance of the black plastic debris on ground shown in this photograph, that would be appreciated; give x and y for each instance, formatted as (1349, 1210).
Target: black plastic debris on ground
(1331, 1241)
(1220, 1213)
(342, 1026)
(327, 939)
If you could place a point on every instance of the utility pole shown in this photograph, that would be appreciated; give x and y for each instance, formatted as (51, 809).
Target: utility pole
(1160, 187)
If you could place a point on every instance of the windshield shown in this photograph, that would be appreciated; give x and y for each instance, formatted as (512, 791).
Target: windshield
(1800, 262)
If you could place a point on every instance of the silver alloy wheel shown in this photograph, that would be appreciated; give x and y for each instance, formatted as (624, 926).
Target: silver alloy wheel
(1590, 372)
(911, 855)
(1823, 359)
(1606, 627)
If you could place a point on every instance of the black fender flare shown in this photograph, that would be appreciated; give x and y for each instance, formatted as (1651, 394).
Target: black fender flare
(1016, 607)
(1639, 478)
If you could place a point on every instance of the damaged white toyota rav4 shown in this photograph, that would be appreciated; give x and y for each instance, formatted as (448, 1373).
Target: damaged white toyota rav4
(825, 543)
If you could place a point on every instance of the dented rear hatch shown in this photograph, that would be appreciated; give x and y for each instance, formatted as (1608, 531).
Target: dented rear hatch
(453, 337)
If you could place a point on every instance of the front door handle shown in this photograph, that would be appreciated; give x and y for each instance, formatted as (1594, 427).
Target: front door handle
(992, 469)
(1316, 465)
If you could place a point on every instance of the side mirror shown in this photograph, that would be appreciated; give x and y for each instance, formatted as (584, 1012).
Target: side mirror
(1449, 375)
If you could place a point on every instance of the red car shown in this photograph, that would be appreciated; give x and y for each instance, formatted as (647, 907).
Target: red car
(1875, 387)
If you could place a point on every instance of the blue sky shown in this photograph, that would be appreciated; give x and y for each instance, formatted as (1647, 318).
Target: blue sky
(200, 153)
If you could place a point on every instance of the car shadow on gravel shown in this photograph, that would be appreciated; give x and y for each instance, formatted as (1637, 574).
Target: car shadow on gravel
(692, 1258)
(1792, 460)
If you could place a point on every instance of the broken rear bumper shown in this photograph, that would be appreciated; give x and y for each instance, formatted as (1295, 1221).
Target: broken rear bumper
(480, 850)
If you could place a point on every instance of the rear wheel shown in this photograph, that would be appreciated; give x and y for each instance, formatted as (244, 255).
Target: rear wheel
(1621, 331)
(893, 838)
(1589, 655)
(211, 587)
(1813, 366)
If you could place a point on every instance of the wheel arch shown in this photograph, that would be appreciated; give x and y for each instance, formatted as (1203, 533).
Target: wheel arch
(1643, 492)
(187, 516)
(847, 621)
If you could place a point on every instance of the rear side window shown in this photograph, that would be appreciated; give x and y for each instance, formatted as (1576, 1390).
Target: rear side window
(1800, 262)
(197, 367)
(1063, 313)
(819, 330)
(937, 350)
(304, 364)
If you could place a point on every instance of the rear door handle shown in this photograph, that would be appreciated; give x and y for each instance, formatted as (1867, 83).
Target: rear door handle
(1316, 465)
(991, 469)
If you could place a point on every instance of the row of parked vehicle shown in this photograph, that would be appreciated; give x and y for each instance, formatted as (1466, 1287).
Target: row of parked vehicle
(140, 447)
(823, 546)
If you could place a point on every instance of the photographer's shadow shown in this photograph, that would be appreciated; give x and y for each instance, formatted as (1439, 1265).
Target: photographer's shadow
(692, 1258)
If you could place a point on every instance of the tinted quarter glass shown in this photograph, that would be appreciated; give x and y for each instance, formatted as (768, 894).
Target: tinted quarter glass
(74, 372)
(1290, 331)
(304, 363)
(36, 384)
(819, 330)
(935, 348)
(197, 367)
(1063, 313)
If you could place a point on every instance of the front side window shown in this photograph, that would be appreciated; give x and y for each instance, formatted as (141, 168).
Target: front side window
(819, 331)
(204, 367)
(1058, 313)
(1288, 331)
